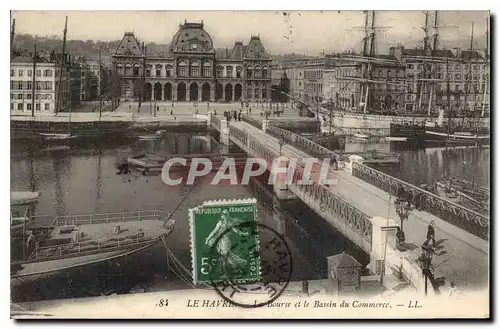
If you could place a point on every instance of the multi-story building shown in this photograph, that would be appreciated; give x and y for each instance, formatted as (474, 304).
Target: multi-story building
(191, 70)
(347, 83)
(43, 80)
(21, 85)
(280, 84)
(313, 77)
(91, 80)
(295, 73)
(444, 79)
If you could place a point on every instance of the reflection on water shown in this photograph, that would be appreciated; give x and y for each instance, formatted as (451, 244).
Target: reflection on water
(427, 166)
(80, 178)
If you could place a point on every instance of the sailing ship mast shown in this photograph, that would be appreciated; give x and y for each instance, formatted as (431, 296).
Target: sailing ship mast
(61, 68)
(468, 84)
(33, 82)
(487, 55)
(448, 99)
(12, 34)
(424, 73)
(433, 53)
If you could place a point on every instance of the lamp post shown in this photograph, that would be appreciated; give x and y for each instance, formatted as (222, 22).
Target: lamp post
(282, 142)
(403, 207)
(425, 263)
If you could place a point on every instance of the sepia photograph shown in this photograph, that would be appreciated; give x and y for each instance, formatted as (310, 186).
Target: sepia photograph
(250, 164)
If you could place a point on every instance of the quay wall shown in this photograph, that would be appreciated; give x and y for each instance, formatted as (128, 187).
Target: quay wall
(377, 125)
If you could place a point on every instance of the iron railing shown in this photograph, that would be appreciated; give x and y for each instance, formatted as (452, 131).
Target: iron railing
(216, 122)
(109, 217)
(330, 204)
(254, 122)
(301, 143)
(466, 219)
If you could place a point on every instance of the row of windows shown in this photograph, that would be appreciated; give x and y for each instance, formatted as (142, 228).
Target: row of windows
(27, 85)
(458, 87)
(257, 93)
(314, 74)
(29, 73)
(450, 66)
(27, 107)
(194, 71)
(28, 96)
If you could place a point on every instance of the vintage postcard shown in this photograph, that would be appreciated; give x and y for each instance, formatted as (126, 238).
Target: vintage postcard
(250, 164)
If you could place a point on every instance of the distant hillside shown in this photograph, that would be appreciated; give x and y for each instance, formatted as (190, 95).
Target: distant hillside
(89, 48)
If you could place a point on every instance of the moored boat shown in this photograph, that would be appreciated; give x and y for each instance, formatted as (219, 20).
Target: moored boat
(56, 136)
(18, 198)
(81, 240)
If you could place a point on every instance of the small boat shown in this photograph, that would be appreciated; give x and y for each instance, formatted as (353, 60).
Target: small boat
(157, 135)
(360, 136)
(396, 139)
(143, 160)
(56, 136)
(72, 241)
(18, 198)
(150, 137)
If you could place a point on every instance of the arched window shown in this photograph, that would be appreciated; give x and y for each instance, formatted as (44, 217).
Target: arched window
(249, 72)
(158, 69)
(195, 69)
(257, 72)
(219, 71)
(182, 71)
(207, 69)
(168, 70)
(119, 69)
(265, 72)
(137, 69)
(229, 71)
(128, 69)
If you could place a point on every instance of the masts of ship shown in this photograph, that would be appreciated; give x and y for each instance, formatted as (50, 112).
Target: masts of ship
(469, 77)
(61, 68)
(12, 34)
(433, 53)
(448, 99)
(33, 82)
(487, 55)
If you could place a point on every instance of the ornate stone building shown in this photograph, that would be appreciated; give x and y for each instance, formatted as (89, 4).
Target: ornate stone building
(192, 70)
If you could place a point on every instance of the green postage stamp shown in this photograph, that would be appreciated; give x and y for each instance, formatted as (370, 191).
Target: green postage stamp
(225, 241)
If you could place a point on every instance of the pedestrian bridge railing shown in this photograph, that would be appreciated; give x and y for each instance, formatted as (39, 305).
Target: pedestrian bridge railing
(302, 143)
(254, 122)
(355, 224)
(215, 122)
(466, 219)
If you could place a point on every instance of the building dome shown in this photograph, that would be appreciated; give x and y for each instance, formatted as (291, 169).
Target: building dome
(191, 37)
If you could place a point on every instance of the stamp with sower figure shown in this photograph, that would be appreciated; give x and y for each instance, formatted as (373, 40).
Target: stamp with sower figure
(228, 253)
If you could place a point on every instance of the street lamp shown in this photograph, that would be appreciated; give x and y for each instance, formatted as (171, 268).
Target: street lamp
(425, 263)
(403, 207)
(282, 142)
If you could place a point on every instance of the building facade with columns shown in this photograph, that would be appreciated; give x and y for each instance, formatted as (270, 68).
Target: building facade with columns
(192, 70)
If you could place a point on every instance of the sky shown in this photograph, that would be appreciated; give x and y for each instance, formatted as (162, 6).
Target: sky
(304, 32)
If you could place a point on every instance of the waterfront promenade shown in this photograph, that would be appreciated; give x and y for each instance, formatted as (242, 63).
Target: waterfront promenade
(166, 112)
